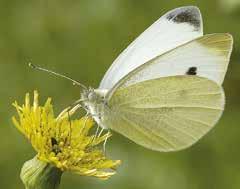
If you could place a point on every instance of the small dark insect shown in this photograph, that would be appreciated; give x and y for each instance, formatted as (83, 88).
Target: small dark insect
(192, 71)
(55, 147)
(54, 141)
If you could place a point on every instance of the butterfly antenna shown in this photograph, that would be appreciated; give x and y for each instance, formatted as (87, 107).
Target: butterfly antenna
(57, 74)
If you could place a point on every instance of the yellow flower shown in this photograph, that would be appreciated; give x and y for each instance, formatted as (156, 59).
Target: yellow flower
(62, 142)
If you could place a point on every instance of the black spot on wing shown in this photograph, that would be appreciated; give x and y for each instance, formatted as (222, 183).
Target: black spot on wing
(189, 16)
(192, 71)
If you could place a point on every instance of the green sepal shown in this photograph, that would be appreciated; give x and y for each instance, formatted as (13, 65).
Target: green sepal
(36, 174)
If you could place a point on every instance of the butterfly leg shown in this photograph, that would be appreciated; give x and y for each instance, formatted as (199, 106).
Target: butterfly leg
(96, 133)
(97, 130)
(75, 105)
(105, 142)
(100, 133)
(70, 110)
(85, 121)
(70, 125)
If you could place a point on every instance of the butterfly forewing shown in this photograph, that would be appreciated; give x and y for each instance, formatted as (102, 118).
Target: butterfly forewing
(166, 114)
(207, 56)
(173, 29)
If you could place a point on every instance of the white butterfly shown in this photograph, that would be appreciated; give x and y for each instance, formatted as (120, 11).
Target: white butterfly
(164, 91)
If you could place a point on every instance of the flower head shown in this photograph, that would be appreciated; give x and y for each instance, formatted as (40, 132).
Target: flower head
(62, 142)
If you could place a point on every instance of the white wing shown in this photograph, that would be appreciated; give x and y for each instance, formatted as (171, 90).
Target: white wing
(207, 56)
(166, 114)
(171, 30)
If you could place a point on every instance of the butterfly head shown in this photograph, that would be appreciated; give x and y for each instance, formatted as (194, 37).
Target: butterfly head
(95, 96)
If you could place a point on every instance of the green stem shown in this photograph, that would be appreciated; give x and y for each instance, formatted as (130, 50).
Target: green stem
(36, 174)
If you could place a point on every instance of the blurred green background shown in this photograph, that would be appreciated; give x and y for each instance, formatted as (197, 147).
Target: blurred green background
(81, 39)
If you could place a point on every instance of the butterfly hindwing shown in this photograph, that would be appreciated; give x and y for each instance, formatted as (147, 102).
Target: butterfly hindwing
(166, 114)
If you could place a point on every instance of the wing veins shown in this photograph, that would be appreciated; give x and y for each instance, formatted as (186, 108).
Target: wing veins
(194, 120)
(140, 130)
(156, 97)
(177, 129)
(150, 122)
